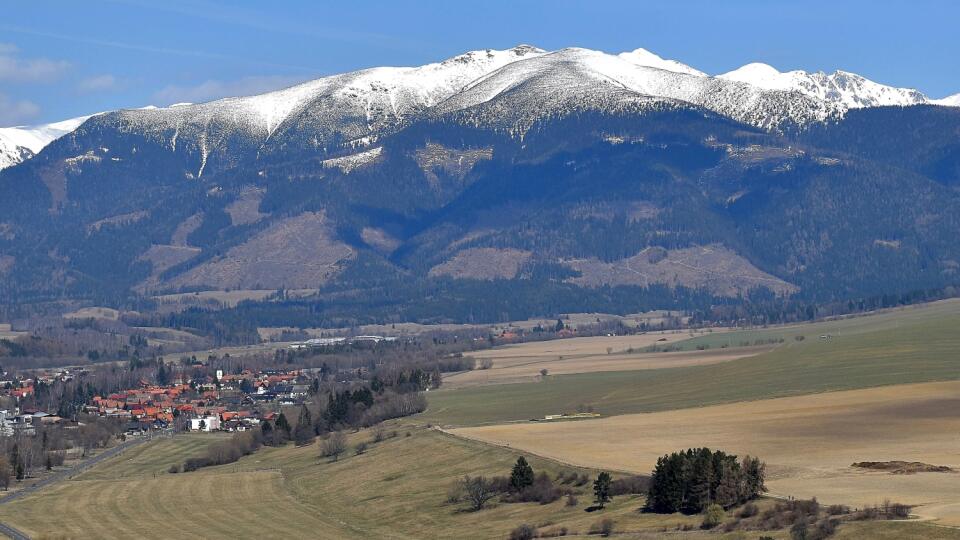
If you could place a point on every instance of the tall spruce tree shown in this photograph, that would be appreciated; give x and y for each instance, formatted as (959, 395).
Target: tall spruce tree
(522, 475)
(601, 489)
(304, 433)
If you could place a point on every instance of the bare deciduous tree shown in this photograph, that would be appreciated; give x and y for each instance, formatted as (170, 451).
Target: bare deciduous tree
(478, 491)
(334, 446)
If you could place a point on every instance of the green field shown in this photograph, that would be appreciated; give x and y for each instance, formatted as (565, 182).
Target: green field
(917, 344)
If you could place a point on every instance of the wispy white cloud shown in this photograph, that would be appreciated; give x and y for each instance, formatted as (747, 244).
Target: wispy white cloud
(99, 83)
(214, 89)
(16, 112)
(150, 49)
(16, 69)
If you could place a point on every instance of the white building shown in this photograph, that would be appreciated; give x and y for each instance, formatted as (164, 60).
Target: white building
(205, 423)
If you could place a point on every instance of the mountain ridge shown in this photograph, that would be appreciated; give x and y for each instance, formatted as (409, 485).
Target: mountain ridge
(596, 178)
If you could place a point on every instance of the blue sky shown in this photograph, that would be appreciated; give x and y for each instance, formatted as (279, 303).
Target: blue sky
(64, 58)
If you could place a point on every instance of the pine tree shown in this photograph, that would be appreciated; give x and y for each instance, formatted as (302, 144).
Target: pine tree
(522, 475)
(601, 489)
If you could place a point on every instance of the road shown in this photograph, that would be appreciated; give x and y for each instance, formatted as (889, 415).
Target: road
(67, 474)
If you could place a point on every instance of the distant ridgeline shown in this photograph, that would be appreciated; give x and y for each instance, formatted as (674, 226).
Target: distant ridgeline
(493, 186)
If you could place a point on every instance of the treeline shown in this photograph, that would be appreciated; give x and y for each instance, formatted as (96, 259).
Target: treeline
(523, 484)
(692, 480)
(22, 456)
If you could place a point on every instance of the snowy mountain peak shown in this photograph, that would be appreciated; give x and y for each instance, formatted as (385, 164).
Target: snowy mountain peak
(643, 57)
(841, 87)
(381, 94)
(760, 75)
(22, 142)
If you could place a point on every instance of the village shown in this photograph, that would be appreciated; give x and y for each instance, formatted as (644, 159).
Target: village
(217, 402)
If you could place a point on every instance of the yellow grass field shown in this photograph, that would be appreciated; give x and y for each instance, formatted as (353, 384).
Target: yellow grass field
(525, 369)
(7, 333)
(523, 362)
(572, 320)
(808, 442)
(109, 314)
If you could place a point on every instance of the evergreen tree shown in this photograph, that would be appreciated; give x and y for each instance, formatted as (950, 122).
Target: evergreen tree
(601, 489)
(522, 475)
(304, 434)
(266, 432)
(283, 429)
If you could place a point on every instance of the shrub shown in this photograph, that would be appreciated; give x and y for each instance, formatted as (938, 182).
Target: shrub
(174, 469)
(895, 510)
(334, 446)
(799, 531)
(572, 499)
(360, 448)
(542, 491)
(838, 509)
(524, 532)
(455, 492)
(713, 516)
(192, 464)
(604, 527)
(631, 485)
(824, 529)
(748, 510)
(56, 458)
(554, 532)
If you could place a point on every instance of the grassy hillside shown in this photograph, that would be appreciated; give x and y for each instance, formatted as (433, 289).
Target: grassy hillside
(398, 489)
(917, 344)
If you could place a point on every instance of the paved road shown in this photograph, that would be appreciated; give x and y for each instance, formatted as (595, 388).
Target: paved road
(13, 533)
(67, 474)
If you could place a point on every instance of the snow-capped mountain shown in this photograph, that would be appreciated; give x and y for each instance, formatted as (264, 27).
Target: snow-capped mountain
(554, 84)
(840, 87)
(355, 109)
(352, 107)
(22, 142)
(643, 57)
(535, 165)
(950, 101)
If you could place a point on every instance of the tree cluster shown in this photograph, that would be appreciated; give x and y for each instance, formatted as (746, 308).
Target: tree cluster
(692, 480)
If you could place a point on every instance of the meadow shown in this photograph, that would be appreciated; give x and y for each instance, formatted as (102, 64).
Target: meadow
(808, 442)
(911, 345)
(397, 489)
